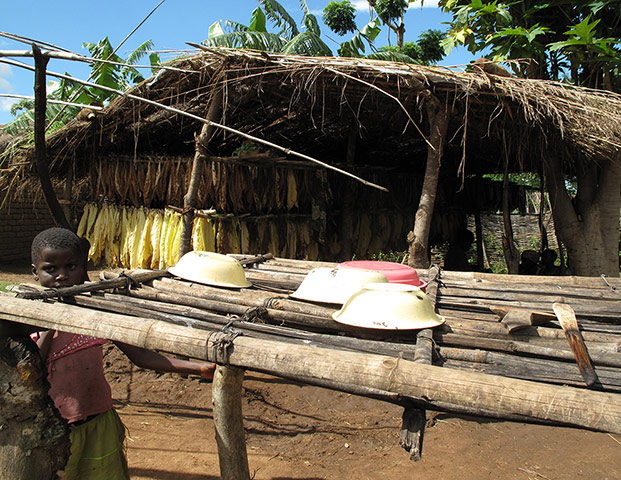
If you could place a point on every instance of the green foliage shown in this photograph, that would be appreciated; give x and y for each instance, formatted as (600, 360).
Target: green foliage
(554, 39)
(289, 38)
(356, 46)
(390, 10)
(340, 17)
(426, 51)
(118, 77)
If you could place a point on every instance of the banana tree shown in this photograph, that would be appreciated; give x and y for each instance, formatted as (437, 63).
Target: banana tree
(288, 39)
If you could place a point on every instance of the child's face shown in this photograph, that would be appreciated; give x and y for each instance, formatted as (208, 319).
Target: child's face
(59, 268)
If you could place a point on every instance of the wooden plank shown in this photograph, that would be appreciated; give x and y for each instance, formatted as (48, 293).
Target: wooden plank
(423, 383)
(567, 319)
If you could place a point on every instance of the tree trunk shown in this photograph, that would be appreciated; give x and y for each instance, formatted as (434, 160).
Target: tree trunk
(34, 439)
(189, 200)
(588, 226)
(39, 138)
(438, 115)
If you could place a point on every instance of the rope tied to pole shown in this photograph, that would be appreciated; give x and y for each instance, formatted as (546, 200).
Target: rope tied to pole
(222, 342)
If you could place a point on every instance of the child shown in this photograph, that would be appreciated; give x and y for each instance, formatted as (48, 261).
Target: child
(75, 368)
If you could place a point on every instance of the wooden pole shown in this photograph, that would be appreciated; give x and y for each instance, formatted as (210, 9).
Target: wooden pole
(40, 92)
(190, 200)
(414, 418)
(424, 383)
(229, 423)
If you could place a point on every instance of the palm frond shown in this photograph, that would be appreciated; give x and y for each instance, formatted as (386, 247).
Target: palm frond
(280, 17)
(391, 57)
(307, 43)
(265, 41)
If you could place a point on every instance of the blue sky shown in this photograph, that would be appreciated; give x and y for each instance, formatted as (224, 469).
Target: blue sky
(69, 24)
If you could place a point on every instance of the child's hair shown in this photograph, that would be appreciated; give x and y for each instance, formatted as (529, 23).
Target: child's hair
(56, 238)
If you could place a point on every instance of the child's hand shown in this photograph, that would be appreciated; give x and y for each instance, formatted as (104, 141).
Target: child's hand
(207, 371)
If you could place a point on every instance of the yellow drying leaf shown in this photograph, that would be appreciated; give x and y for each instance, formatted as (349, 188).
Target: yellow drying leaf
(145, 249)
(92, 216)
(292, 190)
(292, 239)
(312, 251)
(95, 238)
(245, 237)
(234, 240)
(274, 239)
(124, 237)
(163, 235)
(83, 221)
(210, 235)
(170, 238)
(364, 235)
(174, 254)
(156, 233)
(141, 219)
(198, 238)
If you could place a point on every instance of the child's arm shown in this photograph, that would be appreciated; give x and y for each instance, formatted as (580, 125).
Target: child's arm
(155, 361)
(44, 342)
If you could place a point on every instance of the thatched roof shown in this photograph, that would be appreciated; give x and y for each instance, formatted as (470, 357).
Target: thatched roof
(313, 104)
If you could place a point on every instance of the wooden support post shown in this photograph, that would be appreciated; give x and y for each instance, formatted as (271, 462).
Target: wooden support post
(189, 200)
(418, 238)
(229, 423)
(39, 139)
(414, 418)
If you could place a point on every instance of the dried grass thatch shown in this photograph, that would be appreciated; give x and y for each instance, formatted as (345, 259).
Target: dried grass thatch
(318, 105)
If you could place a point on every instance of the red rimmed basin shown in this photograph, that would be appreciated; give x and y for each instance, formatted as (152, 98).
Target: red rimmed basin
(394, 272)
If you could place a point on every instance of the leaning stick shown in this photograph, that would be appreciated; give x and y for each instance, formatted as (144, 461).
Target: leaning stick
(567, 319)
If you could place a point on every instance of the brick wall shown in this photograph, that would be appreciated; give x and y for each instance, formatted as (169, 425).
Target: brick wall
(19, 224)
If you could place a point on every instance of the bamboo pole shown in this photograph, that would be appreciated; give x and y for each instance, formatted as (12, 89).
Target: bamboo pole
(424, 383)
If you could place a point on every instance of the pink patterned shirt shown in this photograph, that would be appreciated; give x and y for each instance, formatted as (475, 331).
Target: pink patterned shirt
(78, 386)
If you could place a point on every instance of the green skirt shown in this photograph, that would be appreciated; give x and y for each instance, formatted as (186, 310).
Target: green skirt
(97, 449)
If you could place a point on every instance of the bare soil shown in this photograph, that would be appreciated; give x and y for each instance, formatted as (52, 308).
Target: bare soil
(296, 431)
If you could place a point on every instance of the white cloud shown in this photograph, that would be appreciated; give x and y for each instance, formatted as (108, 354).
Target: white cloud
(5, 87)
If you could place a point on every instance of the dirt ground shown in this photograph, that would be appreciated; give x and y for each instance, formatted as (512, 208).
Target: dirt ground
(296, 431)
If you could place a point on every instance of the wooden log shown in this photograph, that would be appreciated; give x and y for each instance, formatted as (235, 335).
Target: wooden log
(521, 290)
(495, 330)
(450, 277)
(120, 281)
(278, 316)
(601, 354)
(590, 409)
(198, 318)
(601, 313)
(568, 321)
(549, 371)
(229, 423)
(248, 297)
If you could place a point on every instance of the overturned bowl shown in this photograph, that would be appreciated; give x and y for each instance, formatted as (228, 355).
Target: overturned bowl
(394, 272)
(211, 269)
(389, 306)
(334, 285)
